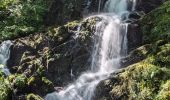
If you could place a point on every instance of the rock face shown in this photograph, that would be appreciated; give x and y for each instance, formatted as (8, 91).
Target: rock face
(52, 59)
(134, 36)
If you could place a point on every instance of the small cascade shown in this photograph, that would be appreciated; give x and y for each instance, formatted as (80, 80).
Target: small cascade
(133, 5)
(110, 45)
(118, 7)
(99, 8)
(4, 56)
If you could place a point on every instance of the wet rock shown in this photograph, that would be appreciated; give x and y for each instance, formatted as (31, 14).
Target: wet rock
(51, 59)
(135, 55)
(134, 36)
(135, 15)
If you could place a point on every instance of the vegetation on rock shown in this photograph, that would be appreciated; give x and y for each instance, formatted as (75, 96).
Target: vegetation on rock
(155, 25)
(148, 78)
(44, 59)
(5, 88)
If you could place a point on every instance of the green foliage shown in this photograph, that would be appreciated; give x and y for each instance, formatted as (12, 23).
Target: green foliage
(164, 94)
(62, 33)
(5, 89)
(5, 3)
(46, 81)
(21, 17)
(162, 57)
(20, 81)
(155, 25)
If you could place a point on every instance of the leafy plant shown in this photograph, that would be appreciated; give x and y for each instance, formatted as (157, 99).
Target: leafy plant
(21, 17)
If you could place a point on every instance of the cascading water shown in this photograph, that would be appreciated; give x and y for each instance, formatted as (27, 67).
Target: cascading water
(133, 4)
(110, 44)
(4, 56)
(117, 6)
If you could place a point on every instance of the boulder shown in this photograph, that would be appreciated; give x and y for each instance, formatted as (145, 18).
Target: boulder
(55, 58)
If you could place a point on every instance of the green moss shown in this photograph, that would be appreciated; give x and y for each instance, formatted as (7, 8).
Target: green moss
(140, 81)
(164, 93)
(62, 33)
(5, 89)
(5, 3)
(31, 80)
(33, 97)
(46, 81)
(20, 81)
(142, 51)
(162, 57)
(147, 79)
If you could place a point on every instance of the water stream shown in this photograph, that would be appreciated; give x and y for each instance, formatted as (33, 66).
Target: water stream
(4, 56)
(110, 44)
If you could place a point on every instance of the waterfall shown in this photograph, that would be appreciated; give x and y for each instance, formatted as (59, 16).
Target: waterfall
(133, 4)
(110, 44)
(116, 6)
(99, 6)
(4, 56)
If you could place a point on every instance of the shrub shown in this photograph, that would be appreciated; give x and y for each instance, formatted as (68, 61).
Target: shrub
(21, 17)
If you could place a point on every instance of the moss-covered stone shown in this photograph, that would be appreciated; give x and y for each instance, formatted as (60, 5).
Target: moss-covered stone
(45, 60)
(20, 81)
(143, 80)
(33, 97)
(164, 93)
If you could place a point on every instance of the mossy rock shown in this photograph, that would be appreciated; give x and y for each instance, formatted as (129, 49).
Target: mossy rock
(164, 93)
(64, 32)
(20, 81)
(33, 97)
(147, 79)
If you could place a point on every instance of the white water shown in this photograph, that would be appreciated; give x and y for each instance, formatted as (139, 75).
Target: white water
(4, 56)
(134, 4)
(99, 8)
(117, 6)
(110, 44)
